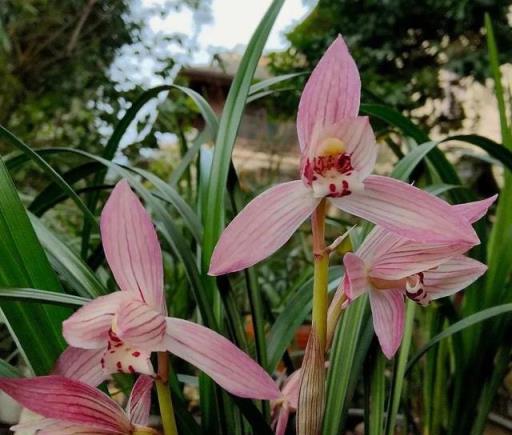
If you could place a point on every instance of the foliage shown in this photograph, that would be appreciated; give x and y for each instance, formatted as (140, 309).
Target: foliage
(454, 355)
(400, 48)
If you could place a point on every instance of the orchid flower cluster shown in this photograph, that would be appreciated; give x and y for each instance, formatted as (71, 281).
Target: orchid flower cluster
(415, 251)
(119, 332)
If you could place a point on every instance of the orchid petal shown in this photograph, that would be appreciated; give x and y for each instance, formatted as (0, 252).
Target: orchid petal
(408, 258)
(140, 326)
(282, 420)
(131, 246)
(262, 227)
(452, 276)
(67, 400)
(388, 319)
(220, 359)
(291, 389)
(121, 357)
(139, 403)
(331, 94)
(54, 427)
(407, 211)
(83, 365)
(355, 282)
(88, 327)
(474, 211)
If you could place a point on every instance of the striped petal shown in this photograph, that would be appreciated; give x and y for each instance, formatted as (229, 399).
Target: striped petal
(355, 282)
(291, 389)
(139, 402)
(140, 326)
(49, 426)
(131, 246)
(83, 365)
(408, 258)
(331, 94)
(474, 211)
(68, 401)
(262, 227)
(220, 359)
(407, 211)
(88, 327)
(282, 420)
(452, 276)
(388, 319)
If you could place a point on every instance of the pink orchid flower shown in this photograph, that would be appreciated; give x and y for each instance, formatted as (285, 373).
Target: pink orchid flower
(389, 267)
(118, 332)
(72, 407)
(338, 154)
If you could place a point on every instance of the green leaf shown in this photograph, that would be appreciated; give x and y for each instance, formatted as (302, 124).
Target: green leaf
(461, 325)
(495, 150)
(121, 127)
(377, 394)
(340, 376)
(440, 188)
(213, 219)
(35, 295)
(35, 328)
(8, 371)
(495, 70)
(68, 264)
(404, 167)
(260, 86)
(56, 177)
(173, 197)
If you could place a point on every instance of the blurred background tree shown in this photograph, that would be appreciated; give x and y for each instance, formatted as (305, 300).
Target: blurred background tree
(68, 68)
(400, 47)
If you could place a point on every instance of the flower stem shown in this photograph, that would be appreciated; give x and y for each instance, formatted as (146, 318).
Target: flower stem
(321, 273)
(164, 395)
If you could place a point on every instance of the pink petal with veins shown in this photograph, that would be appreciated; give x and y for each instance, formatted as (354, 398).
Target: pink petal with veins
(140, 326)
(69, 401)
(139, 402)
(262, 227)
(83, 365)
(88, 327)
(331, 94)
(131, 246)
(388, 318)
(220, 359)
(355, 282)
(474, 211)
(452, 276)
(407, 211)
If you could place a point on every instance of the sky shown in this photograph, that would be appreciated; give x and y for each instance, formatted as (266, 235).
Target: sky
(232, 24)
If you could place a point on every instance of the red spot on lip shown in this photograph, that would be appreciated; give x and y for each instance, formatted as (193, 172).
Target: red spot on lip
(113, 336)
(136, 354)
(131, 369)
(332, 187)
(119, 365)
